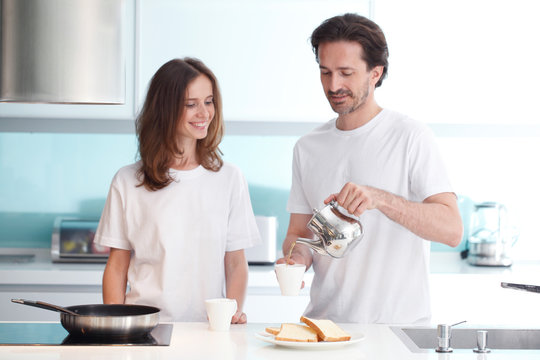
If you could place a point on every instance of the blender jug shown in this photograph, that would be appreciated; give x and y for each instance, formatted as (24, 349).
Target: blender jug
(489, 238)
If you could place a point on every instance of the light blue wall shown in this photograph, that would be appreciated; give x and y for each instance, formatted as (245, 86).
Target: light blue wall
(43, 176)
(48, 175)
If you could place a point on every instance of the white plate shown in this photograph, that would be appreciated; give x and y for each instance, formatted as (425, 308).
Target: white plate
(264, 336)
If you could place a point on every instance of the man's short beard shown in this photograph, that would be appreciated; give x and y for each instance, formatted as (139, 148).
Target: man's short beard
(348, 110)
(356, 105)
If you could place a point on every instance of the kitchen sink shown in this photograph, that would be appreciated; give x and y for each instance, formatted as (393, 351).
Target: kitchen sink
(419, 339)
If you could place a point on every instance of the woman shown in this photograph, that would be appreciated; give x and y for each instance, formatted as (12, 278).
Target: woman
(177, 221)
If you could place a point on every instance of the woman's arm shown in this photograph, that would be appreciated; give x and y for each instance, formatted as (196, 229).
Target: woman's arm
(115, 276)
(236, 277)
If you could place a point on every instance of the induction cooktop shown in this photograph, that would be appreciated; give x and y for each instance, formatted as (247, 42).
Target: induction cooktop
(55, 334)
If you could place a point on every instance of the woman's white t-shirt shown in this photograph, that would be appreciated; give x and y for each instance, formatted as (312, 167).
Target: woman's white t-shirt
(178, 236)
(385, 278)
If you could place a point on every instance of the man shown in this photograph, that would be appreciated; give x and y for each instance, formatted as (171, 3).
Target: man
(378, 165)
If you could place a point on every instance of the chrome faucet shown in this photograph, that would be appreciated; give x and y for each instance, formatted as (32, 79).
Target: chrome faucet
(444, 333)
(481, 342)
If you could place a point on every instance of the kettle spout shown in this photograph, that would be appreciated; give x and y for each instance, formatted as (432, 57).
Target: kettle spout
(316, 245)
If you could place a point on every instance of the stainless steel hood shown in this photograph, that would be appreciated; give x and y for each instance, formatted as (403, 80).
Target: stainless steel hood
(62, 51)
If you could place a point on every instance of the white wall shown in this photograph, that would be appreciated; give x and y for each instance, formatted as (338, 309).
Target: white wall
(469, 69)
(462, 61)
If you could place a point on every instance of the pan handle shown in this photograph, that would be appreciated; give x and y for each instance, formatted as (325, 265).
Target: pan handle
(44, 305)
(524, 287)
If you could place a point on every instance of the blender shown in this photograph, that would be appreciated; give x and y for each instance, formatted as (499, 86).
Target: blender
(490, 237)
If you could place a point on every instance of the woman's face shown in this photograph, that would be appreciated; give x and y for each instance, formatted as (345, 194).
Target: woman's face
(198, 109)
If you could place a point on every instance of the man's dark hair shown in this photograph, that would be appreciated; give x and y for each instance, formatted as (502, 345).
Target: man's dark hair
(353, 27)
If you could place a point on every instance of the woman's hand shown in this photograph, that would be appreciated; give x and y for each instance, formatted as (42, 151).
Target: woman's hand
(239, 318)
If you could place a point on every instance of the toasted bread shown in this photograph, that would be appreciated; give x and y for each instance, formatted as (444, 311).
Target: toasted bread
(296, 332)
(326, 329)
(272, 330)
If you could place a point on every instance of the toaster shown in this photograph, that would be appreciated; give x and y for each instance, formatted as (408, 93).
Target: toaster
(73, 241)
(265, 252)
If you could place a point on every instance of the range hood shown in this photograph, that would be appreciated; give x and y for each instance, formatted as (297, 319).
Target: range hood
(62, 51)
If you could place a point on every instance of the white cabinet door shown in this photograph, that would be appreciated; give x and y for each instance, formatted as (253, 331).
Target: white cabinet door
(275, 308)
(58, 295)
(259, 51)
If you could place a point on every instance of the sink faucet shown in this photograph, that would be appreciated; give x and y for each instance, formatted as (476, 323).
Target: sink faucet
(444, 333)
(481, 342)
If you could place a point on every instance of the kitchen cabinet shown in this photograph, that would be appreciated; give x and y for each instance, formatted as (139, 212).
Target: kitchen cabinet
(59, 295)
(458, 291)
(274, 307)
(74, 284)
(259, 51)
(260, 305)
(33, 276)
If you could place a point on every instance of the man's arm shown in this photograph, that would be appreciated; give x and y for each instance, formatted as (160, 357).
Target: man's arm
(436, 219)
(115, 276)
(298, 228)
(236, 278)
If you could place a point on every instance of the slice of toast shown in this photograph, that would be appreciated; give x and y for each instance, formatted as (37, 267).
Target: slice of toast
(272, 330)
(296, 332)
(326, 329)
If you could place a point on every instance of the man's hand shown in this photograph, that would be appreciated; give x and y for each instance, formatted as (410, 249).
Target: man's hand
(294, 259)
(356, 198)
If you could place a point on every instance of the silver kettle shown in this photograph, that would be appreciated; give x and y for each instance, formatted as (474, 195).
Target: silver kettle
(337, 233)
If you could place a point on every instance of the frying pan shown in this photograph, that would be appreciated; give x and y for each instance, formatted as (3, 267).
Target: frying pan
(102, 319)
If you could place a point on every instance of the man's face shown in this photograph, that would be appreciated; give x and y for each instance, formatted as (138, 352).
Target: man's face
(345, 78)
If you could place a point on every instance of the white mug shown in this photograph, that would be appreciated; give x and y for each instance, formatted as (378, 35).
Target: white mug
(290, 278)
(220, 312)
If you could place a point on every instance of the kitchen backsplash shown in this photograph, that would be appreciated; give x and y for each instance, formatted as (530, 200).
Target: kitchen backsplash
(48, 175)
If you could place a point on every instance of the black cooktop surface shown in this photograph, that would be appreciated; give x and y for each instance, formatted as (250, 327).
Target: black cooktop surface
(55, 334)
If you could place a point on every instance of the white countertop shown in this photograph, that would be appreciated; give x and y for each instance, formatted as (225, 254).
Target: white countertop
(195, 341)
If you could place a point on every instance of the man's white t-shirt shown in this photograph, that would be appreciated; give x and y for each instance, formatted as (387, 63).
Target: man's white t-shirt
(178, 236)
(385, 278)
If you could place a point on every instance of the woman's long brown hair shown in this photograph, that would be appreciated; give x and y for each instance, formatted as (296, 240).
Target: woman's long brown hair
(157, 124)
